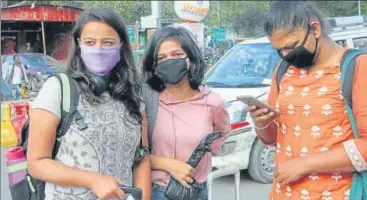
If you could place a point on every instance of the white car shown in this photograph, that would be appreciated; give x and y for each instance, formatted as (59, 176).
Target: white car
(247, 69)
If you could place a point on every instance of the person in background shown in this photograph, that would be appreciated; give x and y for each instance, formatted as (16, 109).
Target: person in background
(9, 47)
(17, 77)
(4, 68)
(6, 92)
(93, 163)
(27, 48)
(187, 111)
(316, 150)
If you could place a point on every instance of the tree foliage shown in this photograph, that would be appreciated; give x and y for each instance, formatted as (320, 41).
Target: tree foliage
(242, 17)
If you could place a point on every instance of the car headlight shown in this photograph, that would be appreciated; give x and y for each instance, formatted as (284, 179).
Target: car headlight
(237, 111)
(227, 148)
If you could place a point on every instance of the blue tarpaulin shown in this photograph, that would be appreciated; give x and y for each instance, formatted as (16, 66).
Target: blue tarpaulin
(6, 92)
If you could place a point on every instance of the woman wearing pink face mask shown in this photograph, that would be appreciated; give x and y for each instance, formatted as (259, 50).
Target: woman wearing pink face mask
(92, 163)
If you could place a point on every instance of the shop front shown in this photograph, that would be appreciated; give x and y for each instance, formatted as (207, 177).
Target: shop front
(38, 29)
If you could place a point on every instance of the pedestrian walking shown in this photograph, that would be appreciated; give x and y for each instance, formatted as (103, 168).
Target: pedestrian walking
(17, 77)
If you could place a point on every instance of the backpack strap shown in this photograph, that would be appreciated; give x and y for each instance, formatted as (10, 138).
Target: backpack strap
(348, 66)
(69, 103)
(282, 69)
(151, 99)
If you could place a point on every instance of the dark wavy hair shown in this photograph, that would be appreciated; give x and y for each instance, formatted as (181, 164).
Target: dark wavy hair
(123, 82)
(186, 39)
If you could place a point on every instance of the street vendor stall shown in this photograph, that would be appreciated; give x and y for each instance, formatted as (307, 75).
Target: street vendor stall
(13, 116)
(38, 28)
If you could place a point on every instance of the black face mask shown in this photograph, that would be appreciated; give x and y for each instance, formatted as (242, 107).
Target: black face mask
(172, 71)
(300, 57)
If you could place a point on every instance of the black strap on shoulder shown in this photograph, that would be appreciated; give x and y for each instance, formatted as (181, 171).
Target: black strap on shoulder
(282, 69)
(151, 99)
(347, 85)
(69, 103)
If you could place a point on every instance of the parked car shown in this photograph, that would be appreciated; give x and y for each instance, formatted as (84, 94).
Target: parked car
(247, 68)
(38, 68)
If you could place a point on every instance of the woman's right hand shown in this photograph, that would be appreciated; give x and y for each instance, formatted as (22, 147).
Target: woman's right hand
(261, 116)
(181, 171)
(106, 187)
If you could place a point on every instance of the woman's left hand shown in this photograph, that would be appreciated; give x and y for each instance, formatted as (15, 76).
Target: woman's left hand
(290, 171)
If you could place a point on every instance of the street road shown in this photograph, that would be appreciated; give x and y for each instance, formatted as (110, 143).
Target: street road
(223, 187)
(249, 190)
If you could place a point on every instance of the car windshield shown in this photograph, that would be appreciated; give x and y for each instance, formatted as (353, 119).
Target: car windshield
(245, 65)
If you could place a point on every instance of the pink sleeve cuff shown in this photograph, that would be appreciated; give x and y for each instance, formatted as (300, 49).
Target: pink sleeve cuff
(355, 156)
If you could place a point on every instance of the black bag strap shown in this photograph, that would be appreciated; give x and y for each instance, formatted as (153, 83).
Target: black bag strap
(151, 99)
(69, 104)
(347, 86)
(282, 69)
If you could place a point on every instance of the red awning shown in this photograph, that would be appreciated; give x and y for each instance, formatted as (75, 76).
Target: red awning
(40, 13)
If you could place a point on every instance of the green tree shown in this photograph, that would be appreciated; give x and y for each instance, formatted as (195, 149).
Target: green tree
(340, 8)
(130, 11)
(242, 17)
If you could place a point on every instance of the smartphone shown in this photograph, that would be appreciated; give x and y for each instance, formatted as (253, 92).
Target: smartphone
(132, 193)
(252, 101)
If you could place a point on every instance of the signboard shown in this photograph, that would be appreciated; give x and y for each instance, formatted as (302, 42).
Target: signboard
(131, 31)
(40, 13)
(197, 29)
(218, 35)
(133, 36)
(148, 22)
(192, 11)
(150, 32)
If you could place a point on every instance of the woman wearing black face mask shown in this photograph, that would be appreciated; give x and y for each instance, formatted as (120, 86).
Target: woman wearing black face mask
(316, 153)
(186, 112)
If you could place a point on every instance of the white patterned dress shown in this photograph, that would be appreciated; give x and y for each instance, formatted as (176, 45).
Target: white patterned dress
(107, 146)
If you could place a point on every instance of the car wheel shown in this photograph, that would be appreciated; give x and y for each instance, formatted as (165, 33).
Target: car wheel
(262, 164)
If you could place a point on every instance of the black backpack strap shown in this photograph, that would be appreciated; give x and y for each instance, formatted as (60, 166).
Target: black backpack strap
(348, 63)
(69, 103)
(282, 69)
(151, 99)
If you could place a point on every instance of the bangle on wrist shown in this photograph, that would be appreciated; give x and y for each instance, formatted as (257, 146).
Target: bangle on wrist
(264, 127)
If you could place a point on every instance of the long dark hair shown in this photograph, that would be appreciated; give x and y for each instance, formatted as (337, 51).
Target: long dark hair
(186, 39)
(123, 82)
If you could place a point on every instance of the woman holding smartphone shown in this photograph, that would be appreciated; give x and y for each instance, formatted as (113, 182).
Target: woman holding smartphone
(317, 153)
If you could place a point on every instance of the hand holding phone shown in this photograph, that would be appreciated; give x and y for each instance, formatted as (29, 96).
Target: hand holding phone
(132, 193)
(261, 112)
